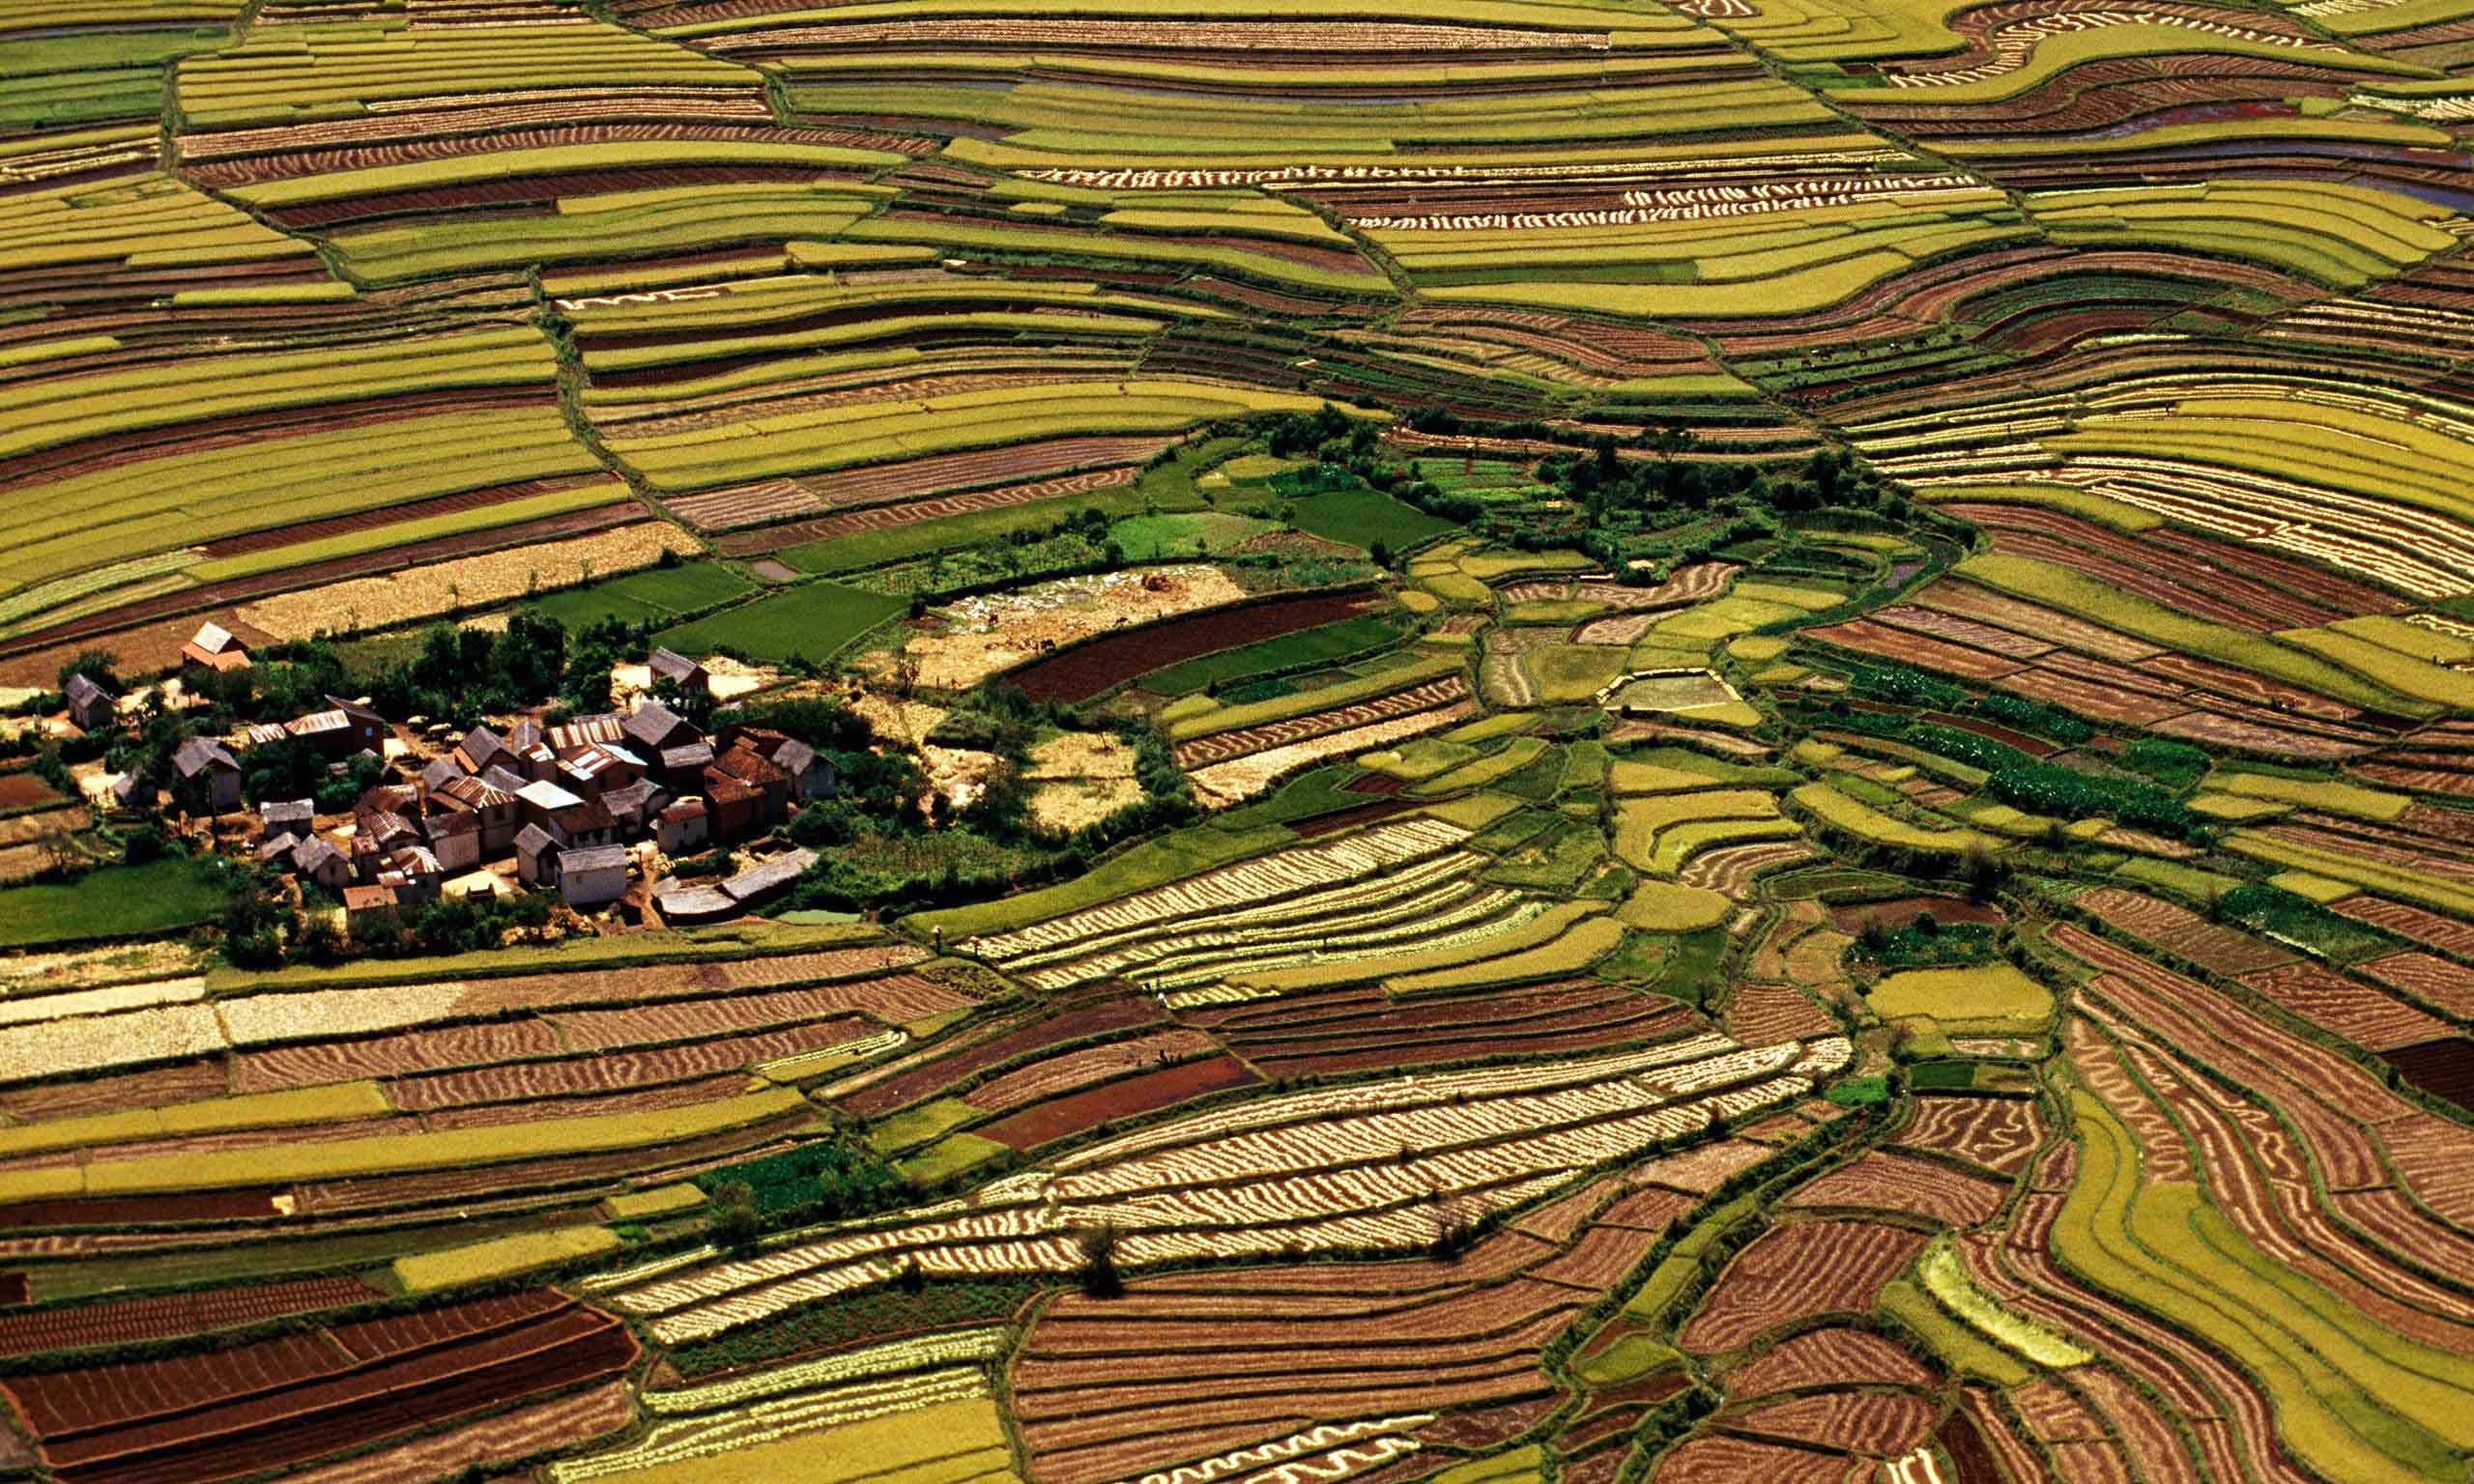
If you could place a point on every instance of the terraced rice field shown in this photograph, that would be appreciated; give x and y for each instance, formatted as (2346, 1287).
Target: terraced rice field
(1787, 692)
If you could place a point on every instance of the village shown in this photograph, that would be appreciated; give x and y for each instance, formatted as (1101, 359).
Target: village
(592, 810)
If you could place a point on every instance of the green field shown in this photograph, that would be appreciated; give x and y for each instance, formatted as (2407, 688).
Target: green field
(814, 621)
(1363, 517)
(656, 595)
(115, 902)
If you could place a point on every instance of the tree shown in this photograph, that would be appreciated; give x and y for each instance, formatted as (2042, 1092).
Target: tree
(1096, 1247)
(692, 704)
(736, 1224)
(94, 665)
(254, 920)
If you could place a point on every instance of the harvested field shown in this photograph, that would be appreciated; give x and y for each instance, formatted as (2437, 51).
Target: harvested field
(1900, 1182)
(2409, 921)
(1724, 1460)
(2183, 932)
(721, 509)
(295, 1399)
(1770, 1012)
(135, 1321)
(1800, 1270)
(466, 582)
(1826, 1357)
(2429, 977)
(1879, 1423)
(984, 636)
(2355, 1010)
(1997, 1134)
(1005, 1041)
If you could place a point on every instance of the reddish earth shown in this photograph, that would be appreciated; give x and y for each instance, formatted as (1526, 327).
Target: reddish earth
(1350, 818)
(1870, 638)
(182, 1082)
(1118, 1010)
(1904, 1182)
(1827, 1357)
(1703, 1168)
(1970, 601)
(1901, 911)
(583, 1178)
(1802, 1269)
(2359, 1013)
(135, 1321)
(2429, 977)
(1880, 1423)
(1365, 1028)
(614, 1072)
(14, 1289)
(1076, 1112)
(1186, 1366)
(1723, 1460)
(675, 1020)
(1971, 1460)
(141, 1209)
(1758, 1012)
(26, 790)
(2443, 1067)
(201, 1418)
(1084, 670)
(1237, 743)
(2182, 932)
(557, 1426)
(1999, 1134)
(1053, 1076)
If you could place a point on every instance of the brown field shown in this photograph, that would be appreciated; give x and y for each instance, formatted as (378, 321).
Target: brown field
(1798, 1269)
(1826, 1357)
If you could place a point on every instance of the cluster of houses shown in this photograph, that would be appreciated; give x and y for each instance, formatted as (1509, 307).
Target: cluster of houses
(563, 802)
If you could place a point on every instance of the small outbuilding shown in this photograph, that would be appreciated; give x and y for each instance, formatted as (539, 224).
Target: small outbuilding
(212, 647)
(90, 706)
(593, 875)
(209, 776)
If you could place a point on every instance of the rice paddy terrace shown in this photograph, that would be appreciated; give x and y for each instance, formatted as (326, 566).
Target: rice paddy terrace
(1750, 746)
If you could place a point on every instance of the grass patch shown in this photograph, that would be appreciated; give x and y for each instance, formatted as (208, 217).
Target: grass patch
(1692, 968)
(654, 596)
(115, 902)
(1362, 517)
(814, 621)
(2290, 916)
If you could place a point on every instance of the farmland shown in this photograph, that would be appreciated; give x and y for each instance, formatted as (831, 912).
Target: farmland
(1531, 741)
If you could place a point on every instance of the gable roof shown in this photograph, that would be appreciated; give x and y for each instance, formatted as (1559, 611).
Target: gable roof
(532, 840)
(197, 754)
(654, 723)
(82, 691)
(672, 664)
(582, 858)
